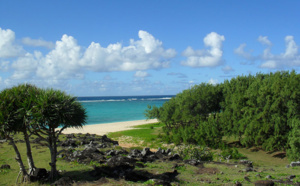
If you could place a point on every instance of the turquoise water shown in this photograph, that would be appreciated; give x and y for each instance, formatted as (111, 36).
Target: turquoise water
(118, 109)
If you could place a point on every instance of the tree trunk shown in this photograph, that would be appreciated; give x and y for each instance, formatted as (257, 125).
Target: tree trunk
(18, 158)
(53, 152)
(29, 154)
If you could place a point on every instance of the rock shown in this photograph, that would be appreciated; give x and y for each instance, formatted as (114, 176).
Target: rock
(247, 179)
(294, 164)
(269, 177)
(64, 181)
(175, 157)
(264, 183)
(146, 151)
(121, 162)
(238, 183)
(287, 166)
(39, 174)
(245, 162)
(248, 169)
(110, 153)
(291, 177)
(168, 151)
(159, 151)
(135, 153)
(5, 166)
(193, 162)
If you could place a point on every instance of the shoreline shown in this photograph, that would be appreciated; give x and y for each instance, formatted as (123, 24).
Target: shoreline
(105, 128)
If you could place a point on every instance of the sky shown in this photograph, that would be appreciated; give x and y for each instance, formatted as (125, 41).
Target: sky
(144, 47)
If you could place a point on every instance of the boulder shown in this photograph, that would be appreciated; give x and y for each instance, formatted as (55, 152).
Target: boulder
(294, 164)
(146, 151)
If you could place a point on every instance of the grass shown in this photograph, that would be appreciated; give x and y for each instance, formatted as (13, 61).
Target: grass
(211, 173)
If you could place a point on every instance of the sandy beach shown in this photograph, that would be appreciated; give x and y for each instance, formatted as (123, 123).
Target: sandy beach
(105, 128)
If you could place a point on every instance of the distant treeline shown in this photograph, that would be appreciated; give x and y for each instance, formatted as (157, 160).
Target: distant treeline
(261, 110)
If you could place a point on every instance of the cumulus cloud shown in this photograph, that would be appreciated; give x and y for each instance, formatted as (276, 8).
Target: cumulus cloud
(205, 58)
(68, 60)
(8, 48)
(289, 58)
(146, 53)
(38, 43)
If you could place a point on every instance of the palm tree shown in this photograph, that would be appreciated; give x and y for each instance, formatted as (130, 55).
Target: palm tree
(54, 112)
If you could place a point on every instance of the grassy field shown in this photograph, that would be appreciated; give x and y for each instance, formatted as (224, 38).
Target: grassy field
(210, 173)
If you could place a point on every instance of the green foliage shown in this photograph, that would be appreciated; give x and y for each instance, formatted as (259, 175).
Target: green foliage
(294, 141)
(258, 110)
(232, 153)
(188, 152)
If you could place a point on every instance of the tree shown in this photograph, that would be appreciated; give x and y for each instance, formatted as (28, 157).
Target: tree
(54, 112)
(15, 112)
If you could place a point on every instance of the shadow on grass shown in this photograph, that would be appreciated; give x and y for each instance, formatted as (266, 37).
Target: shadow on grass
(280, 155)
(118, 173)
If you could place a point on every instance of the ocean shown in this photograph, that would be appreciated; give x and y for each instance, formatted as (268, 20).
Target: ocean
(111, 109)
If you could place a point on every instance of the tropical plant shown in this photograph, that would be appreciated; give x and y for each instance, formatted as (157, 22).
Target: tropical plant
(16, 117)
(54, 112)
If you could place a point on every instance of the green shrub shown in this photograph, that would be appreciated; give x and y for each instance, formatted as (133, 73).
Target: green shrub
(232, 153)
(194, 152)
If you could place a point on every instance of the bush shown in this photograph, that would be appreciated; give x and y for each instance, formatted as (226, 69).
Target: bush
(194, 152)
(294, 141)
(232, 153)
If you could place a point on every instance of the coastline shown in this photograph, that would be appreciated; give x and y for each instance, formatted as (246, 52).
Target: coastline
(105, 128)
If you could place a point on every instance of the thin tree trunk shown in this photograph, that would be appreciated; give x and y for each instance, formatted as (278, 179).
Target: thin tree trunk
(29, 154)
(53, 152)
(18, 158)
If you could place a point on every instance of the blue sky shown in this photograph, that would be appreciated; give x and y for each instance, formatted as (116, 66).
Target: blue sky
(136, 47)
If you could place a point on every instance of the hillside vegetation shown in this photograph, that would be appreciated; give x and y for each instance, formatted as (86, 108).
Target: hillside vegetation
(261, 111)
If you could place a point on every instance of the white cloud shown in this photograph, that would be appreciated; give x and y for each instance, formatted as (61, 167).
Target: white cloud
(146, 53)
(63, 61)
(7, 46)
(141, 74)
(241, 52)
(68, 60)
(213, 81)
(25, 66)
(290, 58)
(264, 40)
(37, 43)
(206, 58)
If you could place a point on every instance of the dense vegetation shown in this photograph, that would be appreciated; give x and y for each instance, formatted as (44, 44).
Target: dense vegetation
(29, 110)
(261, 110)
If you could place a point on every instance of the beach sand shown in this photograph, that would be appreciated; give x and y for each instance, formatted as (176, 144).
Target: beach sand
(105, 128)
